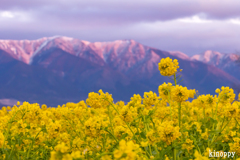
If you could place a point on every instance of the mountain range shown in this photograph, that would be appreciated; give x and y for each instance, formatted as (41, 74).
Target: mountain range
(56, 70)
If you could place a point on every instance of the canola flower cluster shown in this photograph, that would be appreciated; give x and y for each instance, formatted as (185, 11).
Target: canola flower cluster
(159, 126)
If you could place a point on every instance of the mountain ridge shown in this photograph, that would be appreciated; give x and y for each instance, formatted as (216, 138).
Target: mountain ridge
(121, 67)
(226, 62)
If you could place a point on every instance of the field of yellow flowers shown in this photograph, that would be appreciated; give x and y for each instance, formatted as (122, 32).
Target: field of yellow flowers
(159, 126)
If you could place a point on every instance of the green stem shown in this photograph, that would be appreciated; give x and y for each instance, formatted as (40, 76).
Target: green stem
(180, 119)
(217, 109)
(149, 146)
(204, 120)
(204, 115)
(104, 142)
(79, 134)
(212, 113)
(170, 105)
(237, 122)
(179, 115)
(126, 124)
(112, 135)
(155, 147)
(175, 79)
(220, 132)
(110, 117)
(124, 121)
(174, 154)
(33, 141)
(10, 156)
(9, 127)
(98, 157)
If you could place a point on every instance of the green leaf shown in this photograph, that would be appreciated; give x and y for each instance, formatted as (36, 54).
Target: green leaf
(143, 135)
(213, 121)
(215, 132)
(124, 136)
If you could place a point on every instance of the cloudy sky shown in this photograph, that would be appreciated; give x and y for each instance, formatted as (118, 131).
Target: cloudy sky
(189, 26)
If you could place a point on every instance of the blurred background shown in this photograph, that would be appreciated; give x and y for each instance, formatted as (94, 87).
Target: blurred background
(53, 52)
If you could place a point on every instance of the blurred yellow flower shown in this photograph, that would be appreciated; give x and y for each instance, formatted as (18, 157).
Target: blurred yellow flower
(167, 66)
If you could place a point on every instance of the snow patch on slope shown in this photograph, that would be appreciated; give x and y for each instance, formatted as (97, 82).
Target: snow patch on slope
(208, 56)
(179, 54)
(39, 49)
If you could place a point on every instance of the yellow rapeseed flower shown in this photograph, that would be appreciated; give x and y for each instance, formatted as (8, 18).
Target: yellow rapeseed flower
(44, 107)
(75, 131)
(226, 95)
(235, 146)
(129, 150)
(164, 90)
(62, 147)
(180, 94)
(188, 145)
(198, 156)
(150, 99)
(1, 139)
(167, 66)
(144, 144)
(99, 100)
(167, 132)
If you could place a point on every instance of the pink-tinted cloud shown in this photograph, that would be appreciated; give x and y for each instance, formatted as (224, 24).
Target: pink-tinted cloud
(188, 26)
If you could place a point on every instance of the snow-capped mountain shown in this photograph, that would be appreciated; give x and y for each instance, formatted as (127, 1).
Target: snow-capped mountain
(179, 54)
(227, 62)
(121, 54)
(55, 70)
